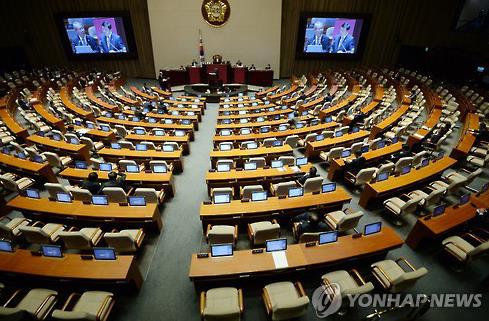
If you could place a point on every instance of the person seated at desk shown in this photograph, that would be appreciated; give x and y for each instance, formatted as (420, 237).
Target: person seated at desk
(252, 67)
(313, 172)
(162, 108)
(482, 134)
(268, 67)
(92, 184)
(356, 164)
(405, 152)
(146, 89)
(418, 146)
(439, 133)
(239, 63)
(82, 39)
(115, 180)
(358, 118)
(328, 98)
(309, 222)
(194, 63)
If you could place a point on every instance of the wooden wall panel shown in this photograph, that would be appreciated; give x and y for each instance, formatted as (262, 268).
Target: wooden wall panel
(394, 23)
(32, 24)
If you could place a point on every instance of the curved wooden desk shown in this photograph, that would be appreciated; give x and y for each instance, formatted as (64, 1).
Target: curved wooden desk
(78, 151)
(240, 154)
(28, 167)
(115, 155)
(467, 139)
(388, 122)
(181, 140)
(313, 149)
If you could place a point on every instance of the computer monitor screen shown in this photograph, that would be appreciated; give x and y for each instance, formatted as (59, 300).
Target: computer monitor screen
(135, 119)
(137, 200)
(328, 119)
(222, 198)
(365, 149)
(440, 155)
(355, 130)
(151, 120)
(168, 148)
(57, 137)
(225, 132)
(78, 122)
(314, 122)
(223, 167)
(21, 155)
(6, 246)
(63, 197)
(405, 170)
(264, 129)
(372, 228)
(74, 141)
(6, 150)
(186, 122)
(245, 120)
(224, 147)
(338, 133)
(277, 164)
(301, 161)
(115, 146)
(319, 137)
(425, 162)
(259, 196)
(141, 147)
(346, 153)
(107, 167)
(90, 126)
(276, 245)
(226, 121)
(121, 117)
(328, 187)
(132, 168)
(252, 145)
(218, 250)
(37, 159)
(100, 200)
(439, 210)
(281, 128)
(159, 133)
(464, 199)
(139, 131)
(105, 128)
(328, 237)
(394, 140)
(179, 133)
(258, 120)
(40, 133)
(296, 191)
(382, 177)
(277, 143)
(245, 131)
(104, 253)
(299, 125)
(484, 188)
(81, 164)
(159, 169)
(380, 144)
(32, 193)
(304, 113)
(250, 166)
(168, 121)
(51, 250)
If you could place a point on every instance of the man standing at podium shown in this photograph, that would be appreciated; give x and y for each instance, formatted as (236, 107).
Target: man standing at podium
(319, 39)
(110, 41)
(344, 42)
(82, 39)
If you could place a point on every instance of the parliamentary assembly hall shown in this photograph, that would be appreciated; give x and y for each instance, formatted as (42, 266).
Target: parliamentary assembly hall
(227, 160)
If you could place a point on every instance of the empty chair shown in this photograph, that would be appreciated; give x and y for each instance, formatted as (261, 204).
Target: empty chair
(221, 304)
(343, 221)
(121, 131)
(80, 194)
(362, 177)
(246, 191)
(385, 168)
(229, 162)
(139, 130)
(174, 145)
(451, 186)
(260, 232)
(418, 158)
(149, 145)
(430, 196)
(91, 305)
(282, 189)
(91, 144)
(151, 195)
(394, 278)
(259, 161)
(350, 283)
(313, 185)
(37, 304)
(285, 300)
(292, 140)
(154, 163)
(356, 147)
(225, 146)
(125, 241)
(16, 185)
(455, 176)
(123, 163)
(57, 161)
(334, 153)
(402, 162)
(11, 229)
(309, 138)
(466, 247)
(268, 142)
(287, 160)
(478, 161)
(83, 239)
(126, 144)
(41, 234)
(403, 205)
(220, 234)
(115, 194)
(55, 188)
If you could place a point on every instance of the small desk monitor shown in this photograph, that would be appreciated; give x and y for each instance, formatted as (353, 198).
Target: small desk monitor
(135, 119)
(51, 251)
(365, 149)
(32, 193)
(382, 177)
(252, 145)
(37, 159)
(276, 245)
(277, 164)
(328, 119)
(21, 155)
(245, 131)
(225, 147)
(372, 228)
(484, 188)
(90, 126)
(439, 210)
(355, 130)
(245, 120)
(179, 133)
(328, 187)
(425, 162)
(63, 197)
(159, 133)
(299, 125)
(380, 144)
(223, 167)
(405, 170)
(346, 153)
(296, 191)
(132, 168)
(319, 137)
(226, 121)
(106, 167)
(338, 133)
(394, 140)
(151, 120)
(115, 146)
(168, 148)
(41, 133)
(328, 237)
(314, 122)
(301, 161)
(100, 200)
(141, 147)
(259, 196)
(282, 128)
(277, 143)
(159, 169)
(250, 166)
(6, 246)
(218, 250)
(225, 132)
(264, 129)
(186, 122)
(139, 131)
(222, 198)
(137, 200)
(74, 141)
(81, 164)
(57, 137)
(121, 117)
(104, 253)
(258, 120)
(464, 199)
(105, 128)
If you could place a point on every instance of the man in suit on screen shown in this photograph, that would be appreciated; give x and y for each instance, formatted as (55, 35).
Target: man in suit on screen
(111, 42)
(344, 42)
(82, 39)
(319, 38)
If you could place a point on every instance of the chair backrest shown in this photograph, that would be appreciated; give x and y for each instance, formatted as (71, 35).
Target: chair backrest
(55, 188)
(410, 206)
(473, 175)
(9, 184)
(260, 161)
(482, 248)
(149, 194)
(434, 197)
(149, 145)
(154, 163)
(126, 144)
(35, 235)
(80, 194)
(115, 194)
(222, 190)
(313, 184)
(407, 280)
(262, 235)
(349, 221)
(310, 137)
(282, 189)
(335, 153)
(287, 160)
(402, 162)
(309, 237)
(121, 130)
(268, 142)
(247, 190)
(53, 159)
(385, 168)
(76, 240)
(123, 163)
(120, 241)
(293, 307)
(365, 175)
(174, 144)
(418, 158)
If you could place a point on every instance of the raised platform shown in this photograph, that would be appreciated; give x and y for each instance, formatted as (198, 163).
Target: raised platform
(214, 95)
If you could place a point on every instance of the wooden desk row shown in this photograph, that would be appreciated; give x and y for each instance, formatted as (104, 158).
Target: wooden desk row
(76, 212)
(313, 149)
(77, 151)
(114, 155)
(389, 122)
(467, 139)
(29, 168)
(64, 95)
(256, 115)
(239, 155)
(183, 141)
(396, 185)
(238, 212)
(244, 265)
(264, 92)
(12, 125)
(89, 91)
(430, 123)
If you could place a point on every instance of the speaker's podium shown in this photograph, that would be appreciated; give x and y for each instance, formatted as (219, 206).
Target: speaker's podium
(220, 68)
